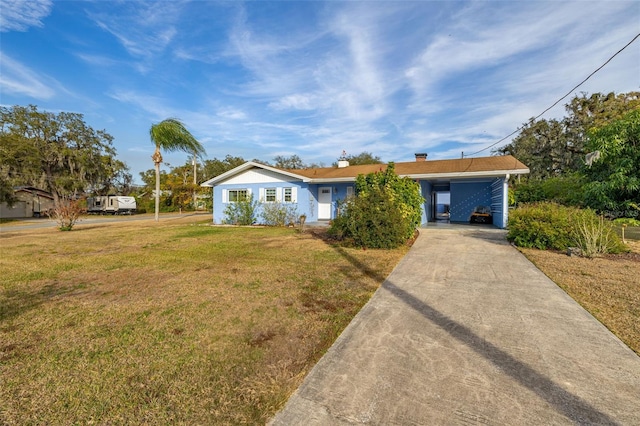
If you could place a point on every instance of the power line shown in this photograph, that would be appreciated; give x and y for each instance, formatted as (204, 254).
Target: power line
(559, 100)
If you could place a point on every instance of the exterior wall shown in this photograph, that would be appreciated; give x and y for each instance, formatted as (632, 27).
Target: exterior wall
(18, 210)
(339, 193)
(466, 195)
(302, 201)
(426, 189)
(500, 202)
(28, 205)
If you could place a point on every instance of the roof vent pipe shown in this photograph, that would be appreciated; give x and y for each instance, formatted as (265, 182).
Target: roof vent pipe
(421, 156)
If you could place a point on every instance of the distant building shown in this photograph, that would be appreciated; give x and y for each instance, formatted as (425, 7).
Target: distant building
(32, 202)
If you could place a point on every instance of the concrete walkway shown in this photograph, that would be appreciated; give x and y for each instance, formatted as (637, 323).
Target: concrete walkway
(466, 331)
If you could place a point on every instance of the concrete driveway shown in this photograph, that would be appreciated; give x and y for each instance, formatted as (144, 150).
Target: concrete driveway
(466, 331)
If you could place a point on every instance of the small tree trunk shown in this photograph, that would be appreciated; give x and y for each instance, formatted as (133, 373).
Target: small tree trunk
(157, 159)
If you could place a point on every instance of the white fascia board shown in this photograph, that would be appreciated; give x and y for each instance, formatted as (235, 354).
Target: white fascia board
(334, 180)
(241, 168)
(492, 173)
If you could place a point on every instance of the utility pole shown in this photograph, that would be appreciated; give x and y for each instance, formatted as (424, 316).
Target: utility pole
(195, 181)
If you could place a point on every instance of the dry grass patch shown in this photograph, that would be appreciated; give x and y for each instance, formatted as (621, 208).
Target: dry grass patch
(174, 322)
(608, 287)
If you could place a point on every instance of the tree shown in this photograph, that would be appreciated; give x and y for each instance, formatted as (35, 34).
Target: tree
(56, 152)
(171, 135)
(293, 162)
(542, 146)
(614, 177)
(557, 147)
(216, 167)
(360, 159)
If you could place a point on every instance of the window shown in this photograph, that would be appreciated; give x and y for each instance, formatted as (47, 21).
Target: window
(288, 195)
(270, 195)
(236, 195)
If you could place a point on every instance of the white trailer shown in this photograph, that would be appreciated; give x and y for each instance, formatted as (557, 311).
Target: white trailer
(111, 204)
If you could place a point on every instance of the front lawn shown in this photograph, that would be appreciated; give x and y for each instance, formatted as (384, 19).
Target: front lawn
(608, 286)
(145, 323)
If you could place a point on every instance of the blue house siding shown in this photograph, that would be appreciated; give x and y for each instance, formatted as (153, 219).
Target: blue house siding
(427, 208)
(454, 182)
(466, 195)
(301, 202)
(499, 202)
(339, 193)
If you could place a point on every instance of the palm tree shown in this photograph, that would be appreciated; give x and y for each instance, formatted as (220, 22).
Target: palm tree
(171, 135)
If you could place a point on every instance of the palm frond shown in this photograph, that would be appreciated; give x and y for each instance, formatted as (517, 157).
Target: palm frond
(171, 135)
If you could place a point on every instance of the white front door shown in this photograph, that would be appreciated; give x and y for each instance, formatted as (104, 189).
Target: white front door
(324, 202)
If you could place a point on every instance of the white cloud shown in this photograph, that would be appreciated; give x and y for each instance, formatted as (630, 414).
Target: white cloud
(230, 113)
(144, 29)
(18, 79)
(154, 105)
(19, 15)
(297, 101)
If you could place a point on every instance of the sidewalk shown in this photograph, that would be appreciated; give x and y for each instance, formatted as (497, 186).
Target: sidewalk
(467, 331)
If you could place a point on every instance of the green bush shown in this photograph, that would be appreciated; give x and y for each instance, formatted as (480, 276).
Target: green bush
(241, 212)
(278, 214)
(542, 226)
(567, 190)
(385, 213)
(374, 221)
(553, 226)
(627, 221)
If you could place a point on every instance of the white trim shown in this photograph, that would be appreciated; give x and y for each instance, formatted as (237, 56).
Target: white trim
(246, 166)
(224, 195)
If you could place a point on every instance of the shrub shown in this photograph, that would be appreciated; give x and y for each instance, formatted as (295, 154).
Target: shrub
(278, 214)
(567, 190)
(241, 212)
(552, 226)
(593, 235)
(542, 226)
(66, 214)
(627, 221)
(374, 221)
(385, 212)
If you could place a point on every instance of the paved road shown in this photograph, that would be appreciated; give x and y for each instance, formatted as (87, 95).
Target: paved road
(35, 223)
(466, 331)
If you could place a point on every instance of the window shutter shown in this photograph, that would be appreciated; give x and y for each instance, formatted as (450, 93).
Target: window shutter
(224, 195)
(261, 194)
(294, 194)
(249, 193)
(279, 195)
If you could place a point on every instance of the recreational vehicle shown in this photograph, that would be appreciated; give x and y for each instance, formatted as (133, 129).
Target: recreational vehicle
(111, 204)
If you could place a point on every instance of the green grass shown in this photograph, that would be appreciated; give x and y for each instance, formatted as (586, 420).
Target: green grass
(170, 323)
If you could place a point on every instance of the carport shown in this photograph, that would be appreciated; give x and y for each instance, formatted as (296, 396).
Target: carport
(464, 196)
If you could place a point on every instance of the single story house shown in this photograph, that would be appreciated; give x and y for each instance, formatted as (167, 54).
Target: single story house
(31, 202)
(465, 183)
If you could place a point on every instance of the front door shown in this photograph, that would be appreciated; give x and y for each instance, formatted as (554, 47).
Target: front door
(324, 203)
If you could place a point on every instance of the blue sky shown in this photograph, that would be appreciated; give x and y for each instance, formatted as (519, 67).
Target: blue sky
(265, 78)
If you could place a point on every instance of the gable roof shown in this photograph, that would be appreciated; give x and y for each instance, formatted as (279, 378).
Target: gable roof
(430, 169)
(35, 191)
